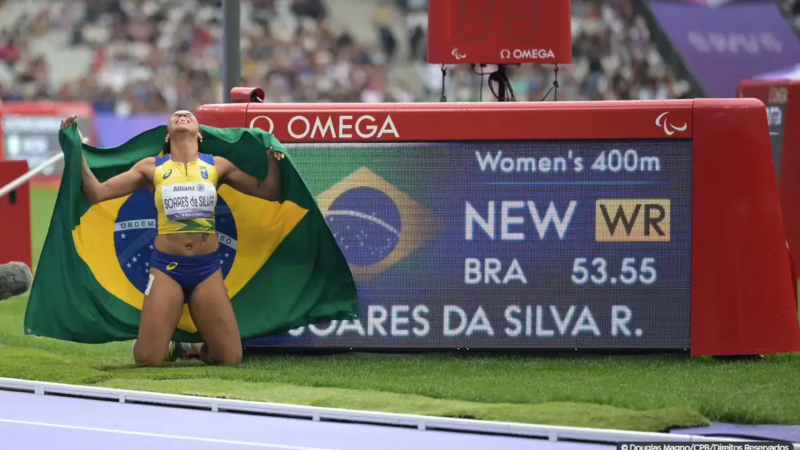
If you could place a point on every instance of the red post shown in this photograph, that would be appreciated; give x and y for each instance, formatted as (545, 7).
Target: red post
(15, 215)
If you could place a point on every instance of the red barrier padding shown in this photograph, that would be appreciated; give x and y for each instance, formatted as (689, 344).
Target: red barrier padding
(742, 286)
(784, 95)
(742, 283)
(15, 210)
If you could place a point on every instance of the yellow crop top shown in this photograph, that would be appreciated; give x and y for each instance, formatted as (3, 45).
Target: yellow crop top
(186, 196)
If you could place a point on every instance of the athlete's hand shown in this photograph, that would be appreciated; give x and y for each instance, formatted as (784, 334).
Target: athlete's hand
(277, 155)
(69, 121)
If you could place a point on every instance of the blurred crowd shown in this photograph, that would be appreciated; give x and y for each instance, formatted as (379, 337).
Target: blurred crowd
(153, 56)
(792, 9)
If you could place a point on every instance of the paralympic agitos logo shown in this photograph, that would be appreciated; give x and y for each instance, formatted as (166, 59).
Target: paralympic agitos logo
(669, 129)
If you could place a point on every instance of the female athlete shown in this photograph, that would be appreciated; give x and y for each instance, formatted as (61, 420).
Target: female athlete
(185, 266)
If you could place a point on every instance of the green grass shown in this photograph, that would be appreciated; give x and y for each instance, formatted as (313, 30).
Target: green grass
(42, 202)
(633, 394)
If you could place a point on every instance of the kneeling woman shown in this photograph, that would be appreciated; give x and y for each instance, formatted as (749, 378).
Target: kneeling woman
(185, 266)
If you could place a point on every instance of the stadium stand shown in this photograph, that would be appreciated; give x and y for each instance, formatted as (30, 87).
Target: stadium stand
(153, 56)
(792, 10)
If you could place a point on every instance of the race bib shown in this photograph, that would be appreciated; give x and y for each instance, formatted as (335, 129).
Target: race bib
(189, 200)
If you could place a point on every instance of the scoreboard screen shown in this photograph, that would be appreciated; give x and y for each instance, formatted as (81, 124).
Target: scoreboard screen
(776, 102)
(507, 244)
(33, 138)
(775, 118)
(30, 132)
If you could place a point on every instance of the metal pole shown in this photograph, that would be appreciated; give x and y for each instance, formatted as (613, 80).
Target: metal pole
(31, 173)
(232, 59)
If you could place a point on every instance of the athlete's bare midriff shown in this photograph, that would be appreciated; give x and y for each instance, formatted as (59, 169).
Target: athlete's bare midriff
(184, 244)
(187, 244)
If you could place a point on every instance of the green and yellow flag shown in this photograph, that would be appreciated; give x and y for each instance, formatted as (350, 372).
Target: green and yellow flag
(282, 266)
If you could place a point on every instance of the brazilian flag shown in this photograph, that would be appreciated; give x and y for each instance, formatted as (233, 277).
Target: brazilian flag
(281, 264)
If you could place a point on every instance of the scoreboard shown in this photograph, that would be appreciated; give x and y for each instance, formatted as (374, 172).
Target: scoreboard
(575, 226)
(491, 244)
(29, 131)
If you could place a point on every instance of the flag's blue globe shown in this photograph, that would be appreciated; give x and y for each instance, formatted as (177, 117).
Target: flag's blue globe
(366, 224)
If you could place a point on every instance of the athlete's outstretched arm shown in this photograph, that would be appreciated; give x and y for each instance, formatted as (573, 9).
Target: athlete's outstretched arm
(269, 189)
(119, 186)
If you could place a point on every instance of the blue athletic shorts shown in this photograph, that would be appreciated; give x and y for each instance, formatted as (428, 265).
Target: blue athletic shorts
(187, 271)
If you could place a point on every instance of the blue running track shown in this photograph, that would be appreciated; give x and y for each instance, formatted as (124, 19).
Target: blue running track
(46, 422)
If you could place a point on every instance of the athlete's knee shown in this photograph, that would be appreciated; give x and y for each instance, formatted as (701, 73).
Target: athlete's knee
(144, 357)
(148, 361)
(229, 361)
(230, 357)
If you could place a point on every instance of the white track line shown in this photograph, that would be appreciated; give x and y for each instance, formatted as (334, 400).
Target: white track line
(160, 436)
